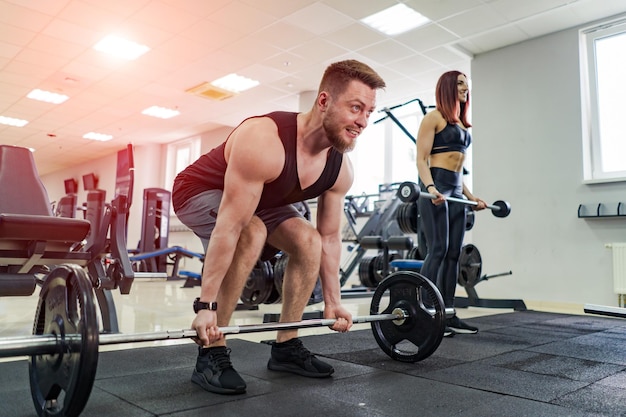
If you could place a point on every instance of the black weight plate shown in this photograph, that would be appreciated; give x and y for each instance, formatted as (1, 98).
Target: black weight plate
(366, 271)
(61, 383)
(279, 273)
(470, 266)
(259, 285)
(420, 334)
(505, 209)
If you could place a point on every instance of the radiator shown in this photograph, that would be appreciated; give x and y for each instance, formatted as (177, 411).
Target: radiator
(619, 267)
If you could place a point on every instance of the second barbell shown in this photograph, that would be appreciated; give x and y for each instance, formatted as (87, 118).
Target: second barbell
(410, 192)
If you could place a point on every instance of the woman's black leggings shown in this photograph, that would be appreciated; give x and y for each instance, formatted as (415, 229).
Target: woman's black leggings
(443, 227)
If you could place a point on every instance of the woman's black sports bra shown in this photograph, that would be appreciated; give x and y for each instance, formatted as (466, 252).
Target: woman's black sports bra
(452, 138)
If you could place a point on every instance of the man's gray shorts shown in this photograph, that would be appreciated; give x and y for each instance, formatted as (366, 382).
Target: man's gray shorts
(199, 213)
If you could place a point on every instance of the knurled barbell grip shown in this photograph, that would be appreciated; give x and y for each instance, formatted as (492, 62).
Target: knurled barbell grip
(457, 200)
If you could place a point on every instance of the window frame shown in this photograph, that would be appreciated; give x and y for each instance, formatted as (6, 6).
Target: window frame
(593, 171)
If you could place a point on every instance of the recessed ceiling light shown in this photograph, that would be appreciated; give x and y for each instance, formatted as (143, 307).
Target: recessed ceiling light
(160, 112)
(13, 122)
(235, 83)
(121, 47)
(395, 20)
(47, 96)
(101, 137)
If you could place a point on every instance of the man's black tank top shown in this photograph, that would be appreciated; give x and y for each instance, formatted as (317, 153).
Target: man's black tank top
(207, 173)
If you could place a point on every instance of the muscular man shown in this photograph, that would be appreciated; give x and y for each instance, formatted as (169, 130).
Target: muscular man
(239, 196)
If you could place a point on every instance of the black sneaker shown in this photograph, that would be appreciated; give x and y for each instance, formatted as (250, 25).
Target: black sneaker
(215, 373)
(459, 326)
(448, 332)
(292, 356)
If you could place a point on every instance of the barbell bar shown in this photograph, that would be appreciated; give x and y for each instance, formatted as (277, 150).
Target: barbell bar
(409, 192)
(50, 344)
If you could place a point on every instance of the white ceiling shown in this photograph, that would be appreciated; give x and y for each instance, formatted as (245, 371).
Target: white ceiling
(285, 44)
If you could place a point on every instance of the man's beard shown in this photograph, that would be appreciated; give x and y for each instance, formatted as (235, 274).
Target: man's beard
(334, 135)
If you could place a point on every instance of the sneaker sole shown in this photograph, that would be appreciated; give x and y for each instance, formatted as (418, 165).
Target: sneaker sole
(199, 379)
(294, 369)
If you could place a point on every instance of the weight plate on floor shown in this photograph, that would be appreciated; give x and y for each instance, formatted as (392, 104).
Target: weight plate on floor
(259, 285)
(420, 334)
(470, 266)
(279, 274)
(61, 383)
(366, 271)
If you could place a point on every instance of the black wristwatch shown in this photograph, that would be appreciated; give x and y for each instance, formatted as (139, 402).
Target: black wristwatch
(199, 305)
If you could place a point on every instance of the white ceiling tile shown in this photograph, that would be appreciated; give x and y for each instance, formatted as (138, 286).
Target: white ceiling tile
(286, 61)
(515, 10)
(23, 17)
(435, 10)
(253, 50)
(427, 37)
(56, 46)
(283, 35)
(319, 19)
(318, 50)
(212, 34)
(99, 19)
(262, 73)
(123, 8)
(588, 10)
(415, 65)
(71, 32)
(386, 51)
(445, 56)
(506, 35)
(549, 22)
(354, 36)
(241, 17)
(36, 70)
(165, 17)
(30, 56)
(278, 8)
(47, 7)
(359, 9)
(473, 21)
(9, 50)
(201, 8)
(17, 36)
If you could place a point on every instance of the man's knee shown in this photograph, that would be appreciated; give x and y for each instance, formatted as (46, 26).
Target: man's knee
(254, 235)
(307, 242)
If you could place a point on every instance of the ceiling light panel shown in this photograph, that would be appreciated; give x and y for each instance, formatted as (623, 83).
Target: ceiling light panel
(120, 47)
(12, 121)
(395, 20)
(100, 137)
(160, 112)
(47, 96)
(235, 83)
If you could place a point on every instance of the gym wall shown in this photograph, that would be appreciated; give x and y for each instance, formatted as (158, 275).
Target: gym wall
(526, 107)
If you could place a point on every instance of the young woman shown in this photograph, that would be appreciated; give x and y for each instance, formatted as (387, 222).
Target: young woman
(442, 140)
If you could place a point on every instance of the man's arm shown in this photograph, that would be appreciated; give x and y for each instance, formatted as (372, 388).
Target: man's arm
(329, 216)
(254, 155)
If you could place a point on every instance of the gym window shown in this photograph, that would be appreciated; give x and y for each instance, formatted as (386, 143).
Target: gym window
(603, 65)
(179, 155)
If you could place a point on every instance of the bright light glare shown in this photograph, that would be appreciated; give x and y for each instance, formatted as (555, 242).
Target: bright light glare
(121, 47)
